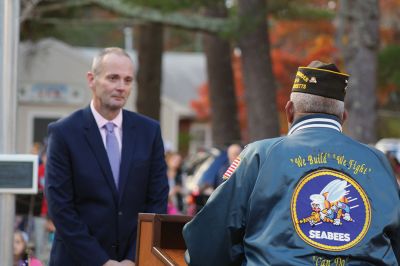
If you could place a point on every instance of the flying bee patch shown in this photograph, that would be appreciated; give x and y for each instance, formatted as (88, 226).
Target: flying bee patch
(232, 168)
(330, 210)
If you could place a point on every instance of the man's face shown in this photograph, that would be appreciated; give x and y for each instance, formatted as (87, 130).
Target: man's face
(112, 85)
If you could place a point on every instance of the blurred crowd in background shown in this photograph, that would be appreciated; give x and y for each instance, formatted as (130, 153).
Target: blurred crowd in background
(192, 179)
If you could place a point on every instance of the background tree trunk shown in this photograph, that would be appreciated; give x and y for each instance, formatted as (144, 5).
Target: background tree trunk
(359, 20)
(224, 121)
(150, 49)
(257, 71)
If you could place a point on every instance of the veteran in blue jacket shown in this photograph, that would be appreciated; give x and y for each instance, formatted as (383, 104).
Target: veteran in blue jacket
(105, 165)
(313, 197)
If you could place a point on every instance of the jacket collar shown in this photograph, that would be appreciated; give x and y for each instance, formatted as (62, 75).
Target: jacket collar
(316, 121)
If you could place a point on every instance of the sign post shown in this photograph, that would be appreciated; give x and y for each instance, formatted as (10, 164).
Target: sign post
(18, 175)
(9, 40)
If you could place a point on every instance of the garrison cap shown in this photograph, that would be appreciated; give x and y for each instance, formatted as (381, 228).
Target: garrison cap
(323, 79)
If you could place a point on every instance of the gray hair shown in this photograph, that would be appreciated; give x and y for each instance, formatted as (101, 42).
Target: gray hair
(97, 60)
(309, 103)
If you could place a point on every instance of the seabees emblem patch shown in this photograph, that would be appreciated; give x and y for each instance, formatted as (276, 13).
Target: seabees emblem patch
(330, 210)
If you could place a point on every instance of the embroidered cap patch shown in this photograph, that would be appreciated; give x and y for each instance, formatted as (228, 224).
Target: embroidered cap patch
(330, 210)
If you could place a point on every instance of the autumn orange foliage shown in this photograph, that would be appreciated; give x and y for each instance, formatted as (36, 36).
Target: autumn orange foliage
(293, 43)
(296, 43)
(389, 35)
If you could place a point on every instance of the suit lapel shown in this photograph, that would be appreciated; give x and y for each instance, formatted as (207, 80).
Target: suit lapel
(129, 138)
(95, 141)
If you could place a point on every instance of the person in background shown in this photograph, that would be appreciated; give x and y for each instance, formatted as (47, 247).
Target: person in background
(214, 175)
(313, 197)
(40, 234)
(36, 148)
(104, 166)
(207, 180)
(194, 168)
(22, 254)
(232, 152)
(174, 173)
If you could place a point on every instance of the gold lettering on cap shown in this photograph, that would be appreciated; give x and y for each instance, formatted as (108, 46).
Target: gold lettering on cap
(302, 76)
(300, 86)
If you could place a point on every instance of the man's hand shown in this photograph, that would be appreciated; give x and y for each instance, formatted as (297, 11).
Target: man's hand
(127, 263)
(112, 263)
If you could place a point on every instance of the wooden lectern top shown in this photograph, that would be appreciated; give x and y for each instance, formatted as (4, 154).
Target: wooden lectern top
(160, 240)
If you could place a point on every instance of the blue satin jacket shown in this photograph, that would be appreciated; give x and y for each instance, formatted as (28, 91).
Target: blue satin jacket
(314, 197)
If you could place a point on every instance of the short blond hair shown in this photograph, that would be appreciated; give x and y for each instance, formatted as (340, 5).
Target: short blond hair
(97, 60)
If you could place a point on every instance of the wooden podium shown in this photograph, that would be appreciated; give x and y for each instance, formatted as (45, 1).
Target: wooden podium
(160, 240)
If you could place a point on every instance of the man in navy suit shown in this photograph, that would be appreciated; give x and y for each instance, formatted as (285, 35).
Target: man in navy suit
(93, 204)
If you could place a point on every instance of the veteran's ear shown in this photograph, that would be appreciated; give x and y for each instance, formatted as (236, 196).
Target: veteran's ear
(289, 110)
(344, 116)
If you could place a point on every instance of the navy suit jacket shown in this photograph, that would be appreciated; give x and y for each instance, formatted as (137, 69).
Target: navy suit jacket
(94, 221)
